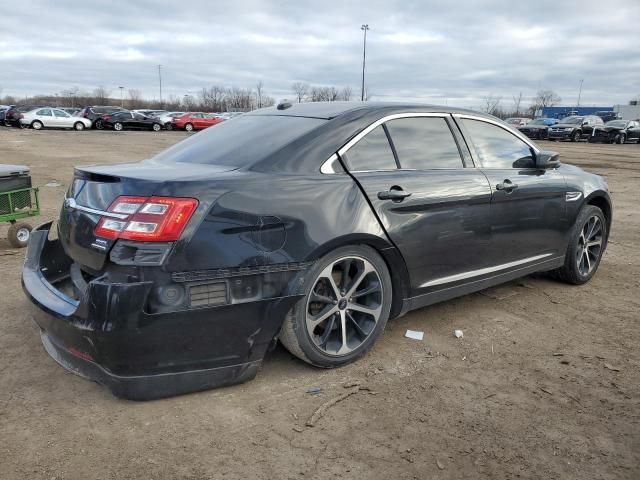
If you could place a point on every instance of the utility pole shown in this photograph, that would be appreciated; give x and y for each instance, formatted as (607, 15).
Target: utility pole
(121, 97)
(364, 28)
(160, 79)
(579, 93)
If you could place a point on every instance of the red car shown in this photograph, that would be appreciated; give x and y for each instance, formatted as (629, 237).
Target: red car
(194, 121)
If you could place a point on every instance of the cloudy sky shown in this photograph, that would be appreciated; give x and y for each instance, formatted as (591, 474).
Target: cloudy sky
(453, 52)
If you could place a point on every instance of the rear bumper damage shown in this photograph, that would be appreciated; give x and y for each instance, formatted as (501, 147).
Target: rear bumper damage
(107, 335)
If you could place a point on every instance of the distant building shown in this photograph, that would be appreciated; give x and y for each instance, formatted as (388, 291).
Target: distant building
(627, 112)
(561, 112)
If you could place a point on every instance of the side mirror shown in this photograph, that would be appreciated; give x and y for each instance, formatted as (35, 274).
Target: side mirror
(585, 123)
(546, 159)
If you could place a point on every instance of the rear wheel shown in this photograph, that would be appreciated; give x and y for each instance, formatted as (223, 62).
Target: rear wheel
(99, 124)
(79, 126)
(587, 244)
(36, 125)
(345, 309)
(188, 127)
(168, 126)
(117, 126)
(156, 127)
(620, 138)
(19, 234)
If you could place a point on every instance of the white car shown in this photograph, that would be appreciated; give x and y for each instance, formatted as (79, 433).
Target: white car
(167, 117)
(52, 118)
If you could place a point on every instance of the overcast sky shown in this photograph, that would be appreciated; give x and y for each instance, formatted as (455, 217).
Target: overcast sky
(453, 52)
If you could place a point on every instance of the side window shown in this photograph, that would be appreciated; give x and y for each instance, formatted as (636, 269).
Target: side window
(423, 143)
(496, 147)
(60, 113)
(372, 152)
(45, 112)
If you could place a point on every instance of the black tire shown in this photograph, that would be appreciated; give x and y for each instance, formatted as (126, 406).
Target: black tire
(576, 136)
(37, 125)
(295, 335)
(188, 127)
(118, 127)
(571, 272)
(19, 234)
(99, 124)
(168, 126)
(156, 127)
(620, 138)
(79, 126)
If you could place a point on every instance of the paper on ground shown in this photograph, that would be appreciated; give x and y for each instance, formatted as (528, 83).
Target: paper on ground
(414, 334)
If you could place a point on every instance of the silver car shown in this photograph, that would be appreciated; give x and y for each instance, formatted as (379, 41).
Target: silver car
(53, 118)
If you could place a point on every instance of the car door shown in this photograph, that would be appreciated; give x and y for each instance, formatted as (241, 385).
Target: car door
(434, 208)
(62, 119)
(46, 117)
(528, 221)
(633, 131)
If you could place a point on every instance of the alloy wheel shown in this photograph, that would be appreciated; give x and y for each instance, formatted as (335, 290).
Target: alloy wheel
(23, 235)
(344, 305)
(117, 126)
(589, 245)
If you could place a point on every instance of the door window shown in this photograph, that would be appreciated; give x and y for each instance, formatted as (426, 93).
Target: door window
(372, 152)
(424, 143)
(60, 113)
(496, 147)
(45, 112)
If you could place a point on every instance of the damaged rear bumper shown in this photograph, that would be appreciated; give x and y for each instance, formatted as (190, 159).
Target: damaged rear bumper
(107, 335)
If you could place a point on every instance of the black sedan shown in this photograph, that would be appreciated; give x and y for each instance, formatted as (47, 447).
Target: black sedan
(538, 129)
(616, 131)
(312, 224)
(119, 121)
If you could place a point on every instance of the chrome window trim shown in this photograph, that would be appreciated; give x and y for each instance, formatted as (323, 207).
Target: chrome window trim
(500, 124)
(327, 166)
(345, 148)
(482, 271)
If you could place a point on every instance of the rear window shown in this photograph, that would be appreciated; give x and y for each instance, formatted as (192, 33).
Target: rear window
(240, 141)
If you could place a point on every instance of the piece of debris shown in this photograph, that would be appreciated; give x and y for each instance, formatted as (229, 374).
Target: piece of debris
(558, 354)
(298, 429)
(564, 362)
(314, 390)
(414, 334)
(545, 390)
(464, 358)
(458, 333)
(490, 395)
(352, 384)
(611, 367)
(53, 184)
(440, 464)
(322, 409)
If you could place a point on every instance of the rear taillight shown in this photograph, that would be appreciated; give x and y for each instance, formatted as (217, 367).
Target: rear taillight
(154, 219)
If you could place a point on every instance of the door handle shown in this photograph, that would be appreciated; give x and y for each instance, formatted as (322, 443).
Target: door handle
(507, 185)
(394, 193)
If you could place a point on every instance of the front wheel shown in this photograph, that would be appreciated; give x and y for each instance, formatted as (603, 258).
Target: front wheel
(576, 137)
(19, 234)
(156, 127)
(99, 124)
(168, 126)
(117, 126)
(79, 126)
(345, 308)
(619, 138)
(587, 244)
(188, 127)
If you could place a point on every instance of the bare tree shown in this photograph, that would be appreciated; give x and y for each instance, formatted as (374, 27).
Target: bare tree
(268, 101)
(259, 87)
(516, 104)
(546, 98)
(101, 94)
(323, 94)
(346, 93)
(300, 89)
(135, 98)
(491, 104)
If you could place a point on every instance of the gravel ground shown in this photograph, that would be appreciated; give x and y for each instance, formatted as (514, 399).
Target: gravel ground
(544, 384)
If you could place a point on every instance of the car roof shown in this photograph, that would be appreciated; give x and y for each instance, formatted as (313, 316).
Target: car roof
(330, 110)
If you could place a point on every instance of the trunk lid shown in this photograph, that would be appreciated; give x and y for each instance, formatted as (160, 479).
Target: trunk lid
(94, 188)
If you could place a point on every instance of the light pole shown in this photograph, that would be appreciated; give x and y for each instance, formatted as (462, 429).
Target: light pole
(579, 93)
(364, 28)
(160, 79)
(121, 97)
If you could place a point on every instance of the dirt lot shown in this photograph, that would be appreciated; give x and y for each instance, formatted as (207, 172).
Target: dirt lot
(544, 384)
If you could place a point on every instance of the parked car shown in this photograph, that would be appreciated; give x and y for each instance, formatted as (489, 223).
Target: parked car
(150, 113)
(616, 131)
(40, 118)
(538, 128)
(517, 121)
(194, 121)
(95, 114)
(166, 119)
(12, 116)
(74, 112)
(300, 223)
(3, 111)
(130, 121)
(574, 128)
(607, 116)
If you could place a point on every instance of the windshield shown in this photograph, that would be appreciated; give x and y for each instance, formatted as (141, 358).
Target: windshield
(616, 123)
(240, 141)
(572, 120)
